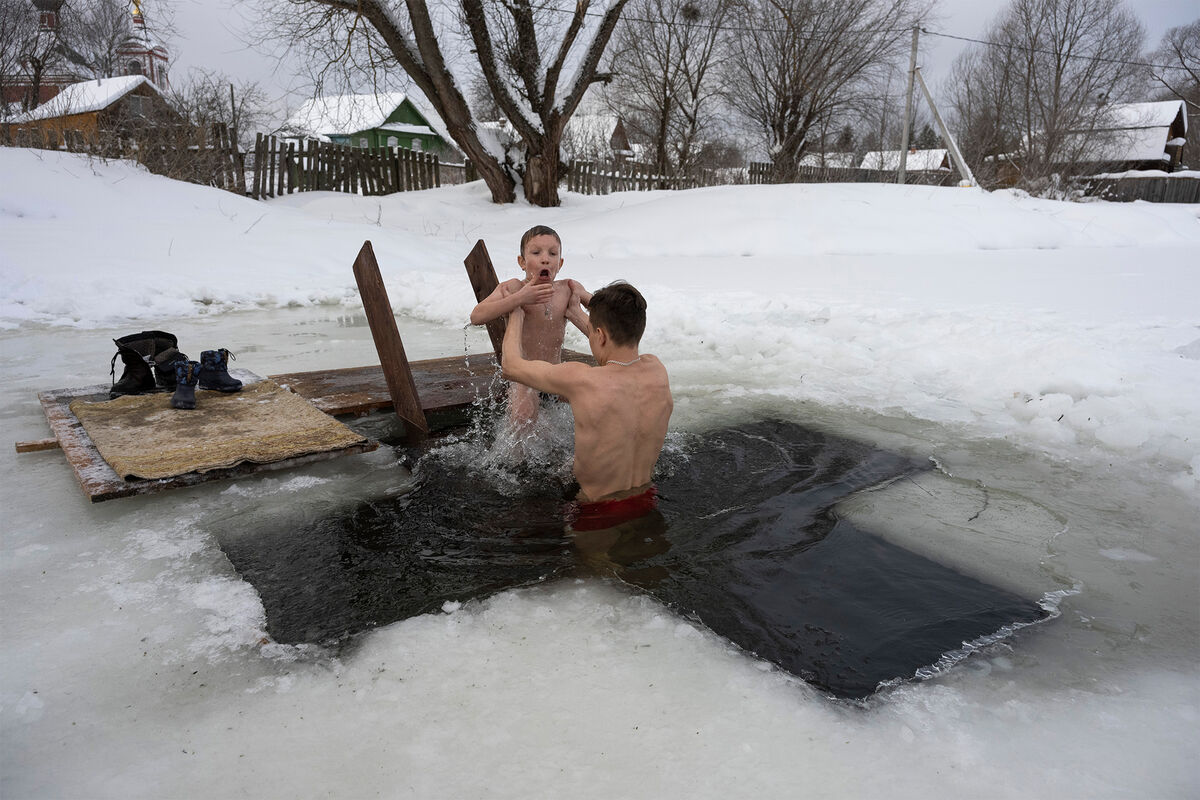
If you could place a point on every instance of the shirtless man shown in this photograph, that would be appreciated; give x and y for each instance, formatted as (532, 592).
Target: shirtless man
(549, 304)
(621, 406)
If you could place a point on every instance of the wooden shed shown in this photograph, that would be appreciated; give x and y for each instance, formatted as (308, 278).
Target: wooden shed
(102, 105)
(387, 119)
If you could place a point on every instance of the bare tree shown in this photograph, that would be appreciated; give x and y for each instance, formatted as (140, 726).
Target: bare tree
(1180, 50)
(800, 62)
(537, 62)
(97, 30)
(18, 24)
(666, 58)
(206, 97)
(1042, 92)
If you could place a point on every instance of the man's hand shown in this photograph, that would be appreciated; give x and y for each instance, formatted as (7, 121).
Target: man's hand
(560, 379)
(575, 313)
(579, 294)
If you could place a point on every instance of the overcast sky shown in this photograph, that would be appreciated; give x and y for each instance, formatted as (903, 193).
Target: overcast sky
(211, 34)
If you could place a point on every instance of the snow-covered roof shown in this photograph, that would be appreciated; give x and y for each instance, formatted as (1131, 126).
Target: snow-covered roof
(918, 161)
(1129, 132)
(1145, 115)
(1129, 144)
(834, 160)
(400, 127)
(80, 98)
(350, 113)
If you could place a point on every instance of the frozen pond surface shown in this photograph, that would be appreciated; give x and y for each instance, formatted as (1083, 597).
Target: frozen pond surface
(136, 661)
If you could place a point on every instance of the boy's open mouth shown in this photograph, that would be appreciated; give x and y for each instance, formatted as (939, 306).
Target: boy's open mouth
(544, 273)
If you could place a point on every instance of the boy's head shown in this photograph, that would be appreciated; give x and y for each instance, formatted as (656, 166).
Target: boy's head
(620, 310)
(541, 254)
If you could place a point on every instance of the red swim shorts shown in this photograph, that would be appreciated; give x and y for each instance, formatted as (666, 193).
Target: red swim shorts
(601, 514)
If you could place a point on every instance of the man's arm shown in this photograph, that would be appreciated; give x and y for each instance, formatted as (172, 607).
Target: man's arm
(560, 379)
(575, 313)
(506, 297)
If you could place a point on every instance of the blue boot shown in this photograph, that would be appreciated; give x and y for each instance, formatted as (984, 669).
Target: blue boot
(214, 371)
(186, 374)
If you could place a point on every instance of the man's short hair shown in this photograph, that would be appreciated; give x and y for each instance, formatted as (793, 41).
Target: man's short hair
(538, 230)
(620, 310)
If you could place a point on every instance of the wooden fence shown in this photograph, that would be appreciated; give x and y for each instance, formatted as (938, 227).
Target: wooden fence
(1152, 190)
(206, 155)
(589, 177)
(761, 172)
(283, 167)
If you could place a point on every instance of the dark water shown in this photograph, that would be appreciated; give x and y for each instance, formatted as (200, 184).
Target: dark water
(743, 540)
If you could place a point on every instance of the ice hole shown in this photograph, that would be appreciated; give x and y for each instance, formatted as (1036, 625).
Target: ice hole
(745, 540)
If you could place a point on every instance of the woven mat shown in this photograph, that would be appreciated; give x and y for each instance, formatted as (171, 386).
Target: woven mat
(143, 437)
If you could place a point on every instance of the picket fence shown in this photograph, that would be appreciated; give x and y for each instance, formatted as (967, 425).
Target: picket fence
(590, 177)
(1152, 190)
(206, 155)
(282, 167)
(761, 172)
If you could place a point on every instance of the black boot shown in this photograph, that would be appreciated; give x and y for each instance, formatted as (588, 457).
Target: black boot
(136, 379)
(214, 371)
(186, 375)
(140, 352)
(164, 367)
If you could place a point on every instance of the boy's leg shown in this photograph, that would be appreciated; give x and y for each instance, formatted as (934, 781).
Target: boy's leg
(523, 404)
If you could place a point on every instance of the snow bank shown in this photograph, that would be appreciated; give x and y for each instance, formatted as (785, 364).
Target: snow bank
(1065, 327)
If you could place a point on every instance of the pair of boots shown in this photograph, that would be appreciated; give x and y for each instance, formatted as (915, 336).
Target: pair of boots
(152, 361)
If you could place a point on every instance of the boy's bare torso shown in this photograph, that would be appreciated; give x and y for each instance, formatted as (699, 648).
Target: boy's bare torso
(545, 323)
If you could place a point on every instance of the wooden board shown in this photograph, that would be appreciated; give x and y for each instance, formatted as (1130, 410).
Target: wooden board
(484, 282)
(443, 384)
(98, 480)
(393, 361)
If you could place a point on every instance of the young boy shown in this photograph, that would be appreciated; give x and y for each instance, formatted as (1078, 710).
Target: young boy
(548, 304)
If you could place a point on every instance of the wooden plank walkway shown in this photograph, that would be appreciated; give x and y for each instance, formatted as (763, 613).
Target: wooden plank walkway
(420, 388)
(443, 384)
(98, 480)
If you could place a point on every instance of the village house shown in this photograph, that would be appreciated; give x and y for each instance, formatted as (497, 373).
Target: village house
(99, 106)
(1135, 136)
(140, 53)
(829, 160)
(936, 160)
(387, 119)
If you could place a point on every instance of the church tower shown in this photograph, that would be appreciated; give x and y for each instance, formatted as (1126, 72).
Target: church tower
(142, 54)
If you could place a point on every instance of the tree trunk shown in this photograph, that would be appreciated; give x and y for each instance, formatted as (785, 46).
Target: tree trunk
(541, 178)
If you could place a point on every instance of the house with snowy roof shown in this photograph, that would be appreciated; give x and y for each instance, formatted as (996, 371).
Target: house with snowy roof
(918, 160)
(385, 119)
(105, 104)
(138, 53)
(829, 160)
(1135, 136)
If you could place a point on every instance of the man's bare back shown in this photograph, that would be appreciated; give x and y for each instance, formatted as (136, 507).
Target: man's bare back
(621, 407)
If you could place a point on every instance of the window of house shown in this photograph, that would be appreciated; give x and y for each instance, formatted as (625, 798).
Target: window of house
(135, 67)
(362, 142)
(136, 105)
(416, 145)
(393, 141)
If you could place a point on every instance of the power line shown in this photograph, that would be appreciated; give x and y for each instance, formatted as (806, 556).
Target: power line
(814, 36)
(823, 36)
(1101, 59)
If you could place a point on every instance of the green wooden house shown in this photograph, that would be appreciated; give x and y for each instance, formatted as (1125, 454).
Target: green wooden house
(388, 119)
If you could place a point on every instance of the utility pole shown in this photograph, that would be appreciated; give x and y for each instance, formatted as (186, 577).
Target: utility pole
(908, 109)
(959, 161)
(233, 116)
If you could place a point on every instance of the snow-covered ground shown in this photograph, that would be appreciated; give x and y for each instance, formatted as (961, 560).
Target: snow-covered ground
(1046, 355)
